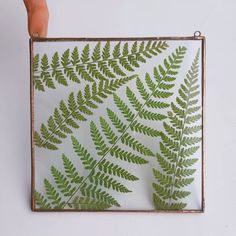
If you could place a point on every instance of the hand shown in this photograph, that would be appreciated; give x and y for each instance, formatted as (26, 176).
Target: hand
(37, 17)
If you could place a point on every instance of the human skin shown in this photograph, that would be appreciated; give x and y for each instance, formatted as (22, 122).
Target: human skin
(38, 16)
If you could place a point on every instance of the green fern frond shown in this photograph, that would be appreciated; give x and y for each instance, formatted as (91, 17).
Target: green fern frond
(164, 180)
(36, 63)
(178, 144)
(149, 115)
(187, 163)
(88, 161)
(108, 182)
(65, 184)
(124, 108)
(53, 195)
(159, 88)
(165, 165)
(98, 63)
(97, 193)
(103, 175)
(68, 71)
(165, 206)
(144, 129)
(137, 105)
(184, 172)
(38, 84)
(70, 170)
(130, 141)
(180, 183)
(119, 125)
(82, 203)
(98, 140)
(106, 140)
(77, 107)
(156, 104)
(111, 134)
(107, 130)
(62, 183)
(45, 76)
(142, 90)
(171, 155)
(41, 201)
(113, 169)
(127, 156)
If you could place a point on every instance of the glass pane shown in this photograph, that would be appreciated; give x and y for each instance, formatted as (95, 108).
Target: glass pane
(117, 125)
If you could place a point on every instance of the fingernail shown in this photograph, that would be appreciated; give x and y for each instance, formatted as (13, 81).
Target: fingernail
(35, 35)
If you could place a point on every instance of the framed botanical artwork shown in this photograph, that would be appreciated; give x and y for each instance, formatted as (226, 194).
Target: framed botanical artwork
(117, 124)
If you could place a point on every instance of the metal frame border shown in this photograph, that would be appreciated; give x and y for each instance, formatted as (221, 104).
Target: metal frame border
(197, 36)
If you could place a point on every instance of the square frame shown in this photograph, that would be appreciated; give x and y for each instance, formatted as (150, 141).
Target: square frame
(203, 75)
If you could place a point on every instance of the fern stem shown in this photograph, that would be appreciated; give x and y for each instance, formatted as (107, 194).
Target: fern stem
(71, 113)
(118, 139)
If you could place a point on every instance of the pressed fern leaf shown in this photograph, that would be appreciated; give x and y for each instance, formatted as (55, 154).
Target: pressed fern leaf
(77, 107)
(152, 94)
(105, 172)
(82, 203)
(64, 185)
(101, 173)
(88, 192)
(100, 63)
(114, 131)
(53, 195)
(41, 201)
(178, 144)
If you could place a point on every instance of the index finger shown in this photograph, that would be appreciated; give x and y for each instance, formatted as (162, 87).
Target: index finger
(38, 16)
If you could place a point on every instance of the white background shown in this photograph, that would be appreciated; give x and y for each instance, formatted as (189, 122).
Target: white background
(215, 18)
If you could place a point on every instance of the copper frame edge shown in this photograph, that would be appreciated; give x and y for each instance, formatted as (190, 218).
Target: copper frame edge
(203, 118)
(33, 208)
(189, 211)
(90, 39)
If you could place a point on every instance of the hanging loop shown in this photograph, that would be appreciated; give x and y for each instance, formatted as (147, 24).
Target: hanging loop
(197, 33)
